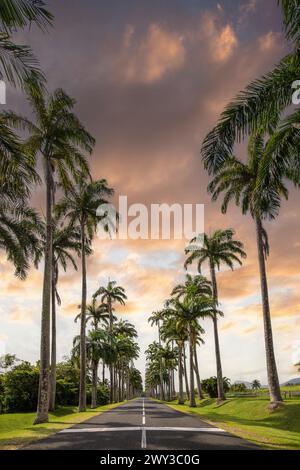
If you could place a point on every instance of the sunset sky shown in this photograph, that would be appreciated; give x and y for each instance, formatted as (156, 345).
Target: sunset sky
(150, 79)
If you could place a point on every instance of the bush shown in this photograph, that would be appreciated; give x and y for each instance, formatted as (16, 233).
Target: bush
(210, 386)
(21, 389)
(102, 395)
(66, 393)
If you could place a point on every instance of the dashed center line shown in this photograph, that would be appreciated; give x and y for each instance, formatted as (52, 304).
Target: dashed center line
(144, 440)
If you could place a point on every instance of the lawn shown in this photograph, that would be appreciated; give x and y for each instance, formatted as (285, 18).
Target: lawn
(251, 419)
(16, 429)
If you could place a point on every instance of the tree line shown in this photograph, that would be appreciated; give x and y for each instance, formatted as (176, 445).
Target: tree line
(55, 139)
(257, 184)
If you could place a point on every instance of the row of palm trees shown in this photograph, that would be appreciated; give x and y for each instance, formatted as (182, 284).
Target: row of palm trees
(179, 321)
(112, 343)
(258, 183)
(53, 139)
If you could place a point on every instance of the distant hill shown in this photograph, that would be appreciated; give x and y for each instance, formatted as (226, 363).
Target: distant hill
(292, 382)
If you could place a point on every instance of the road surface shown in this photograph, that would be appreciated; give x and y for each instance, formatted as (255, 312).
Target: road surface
(142, 424)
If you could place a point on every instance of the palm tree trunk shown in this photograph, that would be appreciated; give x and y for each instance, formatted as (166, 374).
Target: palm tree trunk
(180, 377)
(162, 395)
(120, 385)
(192, 389)
(94, 383)
(111, 370)
(82, 384)
(273, 381)
(221, 394)
(53, 340)
(185, 375)
(43, 393)
(103, 371)
(196, 367)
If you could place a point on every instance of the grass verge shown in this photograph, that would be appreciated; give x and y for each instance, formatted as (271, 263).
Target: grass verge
(250, 418)
(17, 430)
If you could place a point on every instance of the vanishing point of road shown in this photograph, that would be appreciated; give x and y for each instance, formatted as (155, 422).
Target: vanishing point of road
(142, 424)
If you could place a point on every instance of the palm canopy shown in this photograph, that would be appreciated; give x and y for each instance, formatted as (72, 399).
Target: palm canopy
(96, 313)
(21, 13)
(220, 247)
(260, 105)
(291, 19)
(17, 166)
(191, 308)
(240, 182)
(20, 232)
(81, 203)
(56, 134)
(156, 317)
(17, 62)
(193, 285)
(125, 328)
(111, 293)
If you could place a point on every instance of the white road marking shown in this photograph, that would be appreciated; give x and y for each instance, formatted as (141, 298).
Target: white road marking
(142, 428)
(144, 440)
(185, 429)
(117, 429)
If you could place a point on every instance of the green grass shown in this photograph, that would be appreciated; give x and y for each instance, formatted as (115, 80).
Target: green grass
(250, 418)
(16, 429)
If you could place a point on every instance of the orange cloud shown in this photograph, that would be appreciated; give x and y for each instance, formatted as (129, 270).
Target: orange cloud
(269, 41)
(148, 60)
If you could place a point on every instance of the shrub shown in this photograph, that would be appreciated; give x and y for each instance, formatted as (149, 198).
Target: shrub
(21, 389)
(66, 393)
(102, 395)
(210, 386)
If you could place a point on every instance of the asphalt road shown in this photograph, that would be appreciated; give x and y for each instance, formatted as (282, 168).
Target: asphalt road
(142, 424)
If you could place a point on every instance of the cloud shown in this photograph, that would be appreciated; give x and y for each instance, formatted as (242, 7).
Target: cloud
(246, 10)
(153, 56)
(220, 38)
(269, 41)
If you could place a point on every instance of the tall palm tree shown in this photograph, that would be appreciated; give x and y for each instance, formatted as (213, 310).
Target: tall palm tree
(155, 319)
(261, 103)
(174, 330)
(111, 294)
(238, 181)
(58, 137)
(80, 205)
(190, 310)
(18, 64)
(219, 248)
(66, 241)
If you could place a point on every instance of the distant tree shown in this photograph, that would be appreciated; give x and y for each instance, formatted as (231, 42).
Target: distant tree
(210, 386)
(8, 360)
(256, 385)
(238, 387)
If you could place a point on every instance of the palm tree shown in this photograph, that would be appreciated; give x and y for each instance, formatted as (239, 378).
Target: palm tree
(155, 319)
(65, 241)
(17, 62)
(174, 330)
(189, 310)
(239, 182)
(260, 105)
(218, 248)
(97, 346)
(256, 385)
(112, 293)
(80, 205)
(59, 138)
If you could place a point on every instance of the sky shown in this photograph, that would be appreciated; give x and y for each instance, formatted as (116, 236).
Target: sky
(150, 80)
